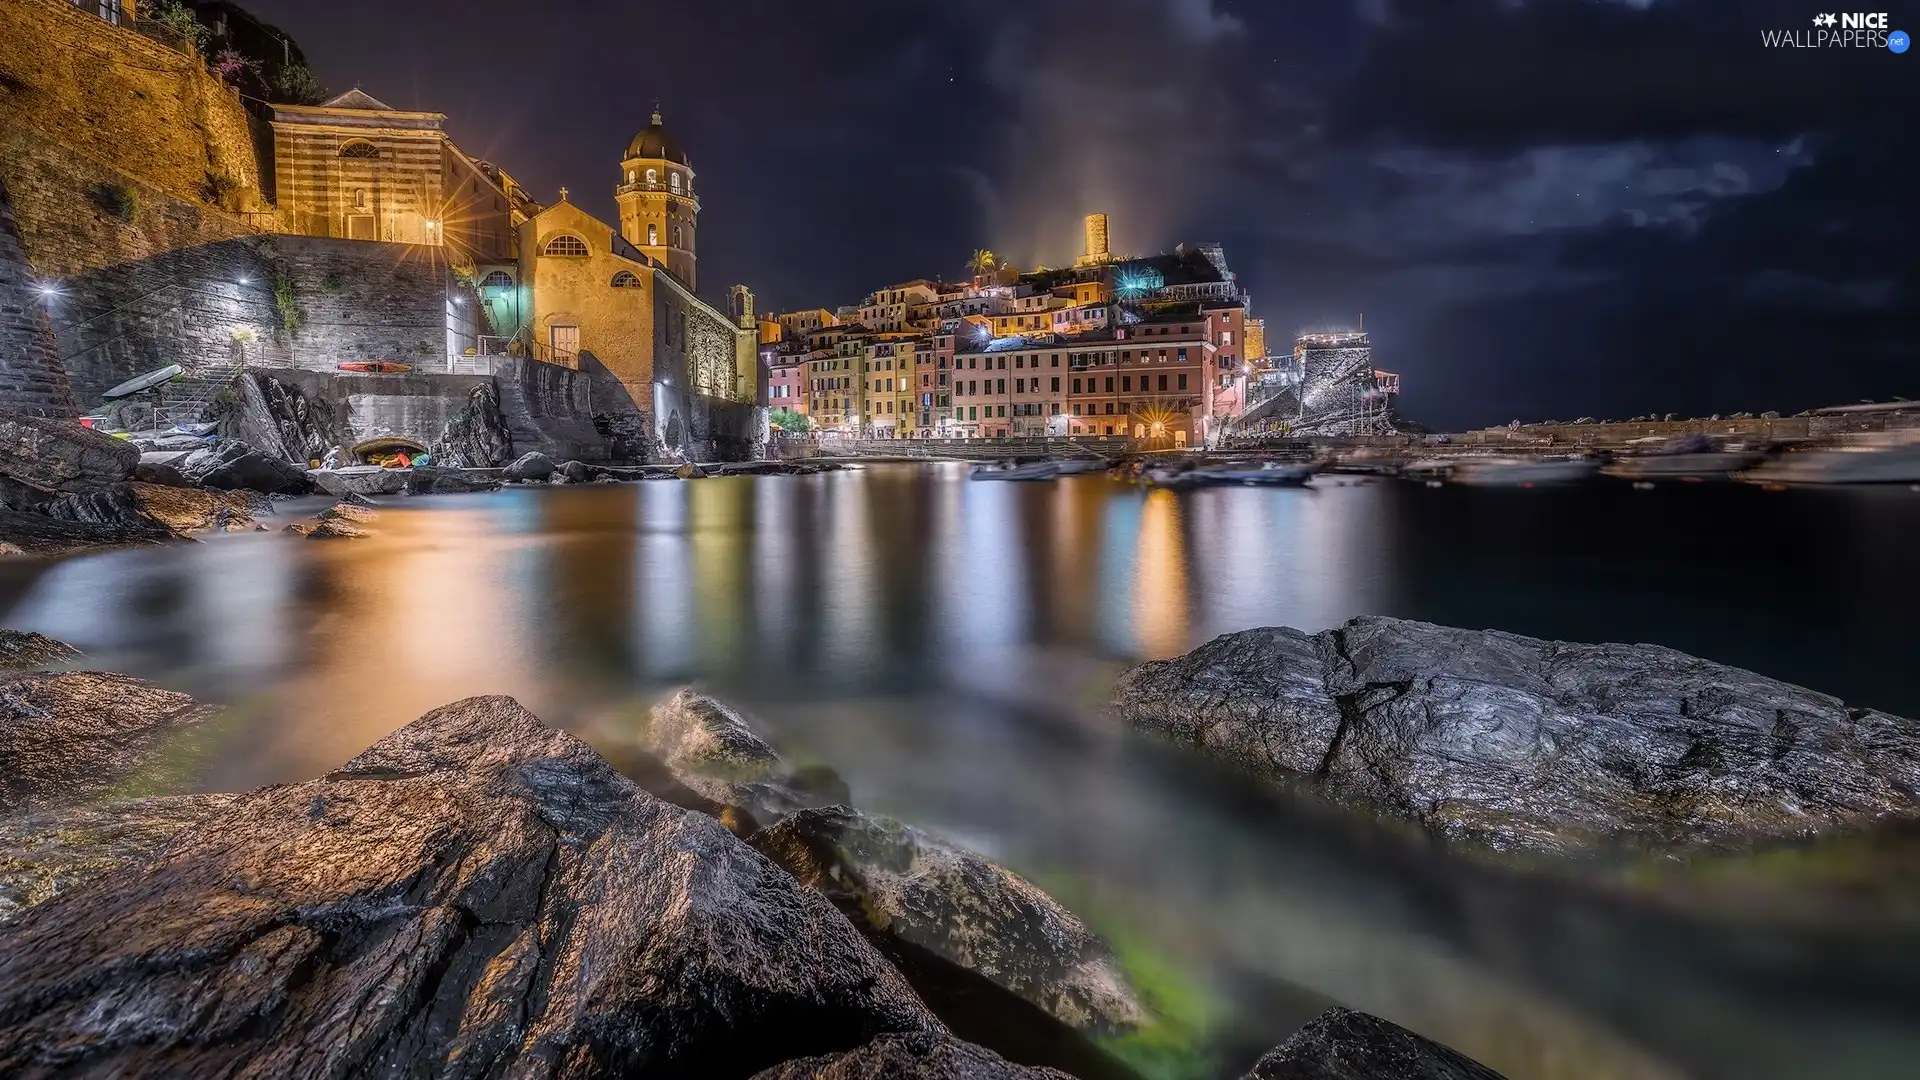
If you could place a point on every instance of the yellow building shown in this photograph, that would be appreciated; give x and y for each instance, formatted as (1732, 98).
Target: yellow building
(658, 210)
(591, 293)
(1256, 344)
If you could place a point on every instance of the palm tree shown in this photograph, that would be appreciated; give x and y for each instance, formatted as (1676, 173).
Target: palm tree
(981, 263)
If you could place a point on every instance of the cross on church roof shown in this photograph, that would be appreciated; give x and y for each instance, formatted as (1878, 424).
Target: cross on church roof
(563, 194)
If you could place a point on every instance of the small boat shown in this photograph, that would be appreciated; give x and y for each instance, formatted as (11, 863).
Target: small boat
(1897, 463)
(375, 367)
(1271, 474)
(1523, 472)
(140, 384)
(1713, 465)
(1032, 470)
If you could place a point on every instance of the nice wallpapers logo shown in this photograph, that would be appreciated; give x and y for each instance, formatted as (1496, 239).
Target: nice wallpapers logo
(1847, 30)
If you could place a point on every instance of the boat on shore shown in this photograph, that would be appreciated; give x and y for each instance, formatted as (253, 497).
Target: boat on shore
(375, 367)
(1270, 474)
(1036, 470)
(1874, 463)
(1523, 472)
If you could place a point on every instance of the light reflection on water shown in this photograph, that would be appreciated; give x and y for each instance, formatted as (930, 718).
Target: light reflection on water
(945, 645)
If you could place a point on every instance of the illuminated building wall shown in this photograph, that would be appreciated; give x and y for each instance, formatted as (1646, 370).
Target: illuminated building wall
(658, 210)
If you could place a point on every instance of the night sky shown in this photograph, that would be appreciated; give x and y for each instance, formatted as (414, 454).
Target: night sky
(1545, 208)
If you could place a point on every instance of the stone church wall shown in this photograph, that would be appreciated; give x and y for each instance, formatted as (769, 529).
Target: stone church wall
(112, 95)
(550, 408)
(31, 378)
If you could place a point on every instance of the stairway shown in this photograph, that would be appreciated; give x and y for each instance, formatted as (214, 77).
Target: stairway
(189, 398)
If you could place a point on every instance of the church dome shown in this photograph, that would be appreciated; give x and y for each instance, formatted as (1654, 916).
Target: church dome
(655, 141)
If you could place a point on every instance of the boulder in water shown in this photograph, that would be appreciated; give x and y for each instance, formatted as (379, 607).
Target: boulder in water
(1515, 742)
(475, 895)
(1341, 1044)
(59, 455)
(575, 472)
(366, 480)
(432, 480)
(341, 521)
(908, 884)
(73, 735)
(531, 466)
(231, 464)
(21, 650)
(164, 510)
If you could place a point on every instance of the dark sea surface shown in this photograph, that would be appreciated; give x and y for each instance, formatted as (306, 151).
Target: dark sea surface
(946, 645)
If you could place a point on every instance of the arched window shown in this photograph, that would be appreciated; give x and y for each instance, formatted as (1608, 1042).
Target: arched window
(360, 148)
(499, 279)
(673, 180)
(360, 198)
(676, 236)
(629, 176)
(653, 176)
(565, 244)
(625, 280)
(653, 236)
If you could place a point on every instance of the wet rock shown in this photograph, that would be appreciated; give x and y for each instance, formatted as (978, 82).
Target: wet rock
(231, 465)
(531, 466)
(59, 455)
(43, 855)
(711, 748)
(163, 510)
(475, 895)
(911, 885)
(73, 735)
(476, 436)
(162, 467)
(1515, 742)
(21, 650)
(1341, 1044)
(911, 1057)
(431, 480)
(575, 472)
(342, 521)
(366, 480)
(30, 533)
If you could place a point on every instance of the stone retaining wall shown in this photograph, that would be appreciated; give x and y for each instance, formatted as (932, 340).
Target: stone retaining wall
(31, 378)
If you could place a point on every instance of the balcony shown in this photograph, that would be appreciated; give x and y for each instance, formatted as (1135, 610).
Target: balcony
(642, 187)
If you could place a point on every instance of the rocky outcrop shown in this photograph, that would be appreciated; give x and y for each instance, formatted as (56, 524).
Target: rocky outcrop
(59, 455)
(279, 418)
(163, 511)
(341, 521)
(366, 480)
(1520, 743)
(908, 884)
(230, 464)
(1341, 1044)
(162, 467)
(72, 736)
(476, 436)
(43, 855)
(21, 650)
(910, 1057)
(530, 466)
(475, 895)
(430, 480)
(37, 534)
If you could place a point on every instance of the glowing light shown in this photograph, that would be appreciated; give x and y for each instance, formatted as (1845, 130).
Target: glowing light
(48, 290)
(433, 224)
(1137, 283)
(246, 281)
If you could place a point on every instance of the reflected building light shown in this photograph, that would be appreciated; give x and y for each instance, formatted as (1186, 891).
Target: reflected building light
(1161, 606)
(720, 518)
(848, 598)
(663, 569)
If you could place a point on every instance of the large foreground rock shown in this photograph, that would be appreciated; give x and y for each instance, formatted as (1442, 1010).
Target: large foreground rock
(73, 735)
(1341, 1044)
(1520, 743)
(33, 533)
(230, 464)
(911, 885)
(60, 455)
(911, 1057)
(43, 855)
(476, 895)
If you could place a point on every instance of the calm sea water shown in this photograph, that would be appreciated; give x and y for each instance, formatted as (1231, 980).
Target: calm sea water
(946, 646)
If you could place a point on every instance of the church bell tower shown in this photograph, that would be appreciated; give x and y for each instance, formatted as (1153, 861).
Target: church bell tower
(659, 213)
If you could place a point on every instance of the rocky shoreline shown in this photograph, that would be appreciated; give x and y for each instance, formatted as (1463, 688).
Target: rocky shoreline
(479, 894)
(66, 488)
